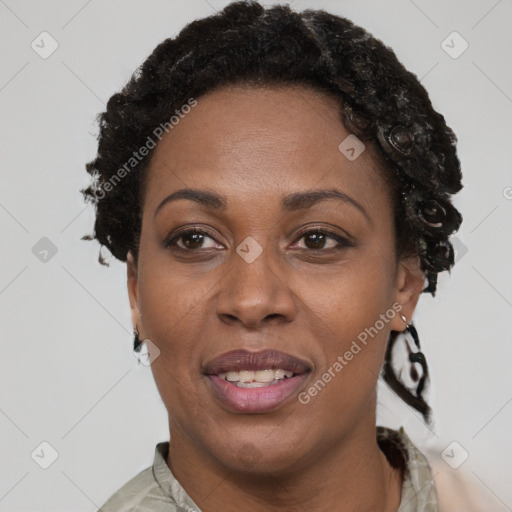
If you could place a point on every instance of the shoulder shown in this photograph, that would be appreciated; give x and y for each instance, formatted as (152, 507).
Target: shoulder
(128, 497)
(140, 494)
(458, 489)
(430, 483)
(418, 488)
(143, 493)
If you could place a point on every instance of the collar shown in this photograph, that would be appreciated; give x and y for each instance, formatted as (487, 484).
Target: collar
(418, 488)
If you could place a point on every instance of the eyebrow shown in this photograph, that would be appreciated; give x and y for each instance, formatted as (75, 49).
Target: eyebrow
(290, 203)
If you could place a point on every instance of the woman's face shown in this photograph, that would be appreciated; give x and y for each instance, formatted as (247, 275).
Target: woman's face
(314, 278)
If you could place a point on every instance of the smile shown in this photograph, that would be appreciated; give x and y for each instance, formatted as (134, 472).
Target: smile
(256, 379)
(255, 382)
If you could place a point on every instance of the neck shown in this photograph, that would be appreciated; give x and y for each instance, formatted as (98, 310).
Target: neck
(353, 475)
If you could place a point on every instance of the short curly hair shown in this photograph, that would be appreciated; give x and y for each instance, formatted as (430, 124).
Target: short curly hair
(246, 43)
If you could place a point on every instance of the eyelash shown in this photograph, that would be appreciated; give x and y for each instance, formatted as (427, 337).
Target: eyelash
(343, 242)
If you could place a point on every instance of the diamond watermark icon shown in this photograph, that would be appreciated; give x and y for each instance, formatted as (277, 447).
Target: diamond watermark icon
(148, 352)
(454, 455)
(44, 455)
(249, 249)
(459, 248)
(351, 147)
(44, 250)
(454, 45)
(44, 45)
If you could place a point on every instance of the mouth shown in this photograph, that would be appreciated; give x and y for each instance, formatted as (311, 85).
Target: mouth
(255, 382)
(256, 379)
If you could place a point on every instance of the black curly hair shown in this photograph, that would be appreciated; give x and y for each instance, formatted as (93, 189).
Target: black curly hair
(381, 103)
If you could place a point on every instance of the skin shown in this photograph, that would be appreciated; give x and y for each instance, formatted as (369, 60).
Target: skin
(255, 146)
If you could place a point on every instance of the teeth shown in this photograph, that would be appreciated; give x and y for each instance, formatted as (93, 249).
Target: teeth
(264, 375)
(252, 384)
(256, 379)
(246, 376)
(280, 374)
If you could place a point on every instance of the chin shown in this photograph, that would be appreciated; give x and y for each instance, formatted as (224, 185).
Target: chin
(261, 455)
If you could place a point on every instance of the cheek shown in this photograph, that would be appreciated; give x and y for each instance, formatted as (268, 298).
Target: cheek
(172, 312)
(170, 298)
(352, 296)
(355, 308)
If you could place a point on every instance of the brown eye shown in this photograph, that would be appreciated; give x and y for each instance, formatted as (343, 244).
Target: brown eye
(317, 239)
(191, 239)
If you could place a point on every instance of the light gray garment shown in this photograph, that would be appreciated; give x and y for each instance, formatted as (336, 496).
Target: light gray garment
(155, 489)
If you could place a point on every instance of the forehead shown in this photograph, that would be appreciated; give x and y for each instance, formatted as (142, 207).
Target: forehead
(260, 142)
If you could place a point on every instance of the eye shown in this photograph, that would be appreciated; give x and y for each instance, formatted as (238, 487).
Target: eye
(191, 239)
(316, 239)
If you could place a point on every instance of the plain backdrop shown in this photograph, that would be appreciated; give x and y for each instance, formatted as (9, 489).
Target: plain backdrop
(69, 378)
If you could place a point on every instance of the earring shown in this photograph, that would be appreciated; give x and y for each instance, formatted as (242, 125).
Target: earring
(392, 379)
(137, 344)
(416, 357)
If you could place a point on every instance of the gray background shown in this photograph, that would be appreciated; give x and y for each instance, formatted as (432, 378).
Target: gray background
(68, 375)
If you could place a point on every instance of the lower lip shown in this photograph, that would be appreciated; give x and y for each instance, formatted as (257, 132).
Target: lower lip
(255, 400)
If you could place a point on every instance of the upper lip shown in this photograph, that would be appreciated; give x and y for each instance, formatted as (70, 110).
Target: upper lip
(237, 360)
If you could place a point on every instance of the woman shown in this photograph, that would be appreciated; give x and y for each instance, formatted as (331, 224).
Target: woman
(279, 187)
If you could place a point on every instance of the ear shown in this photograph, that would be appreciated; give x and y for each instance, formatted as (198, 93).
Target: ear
(409, 284)
(133, 290)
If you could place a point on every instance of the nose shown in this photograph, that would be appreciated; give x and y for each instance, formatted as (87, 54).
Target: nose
(255, 294)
